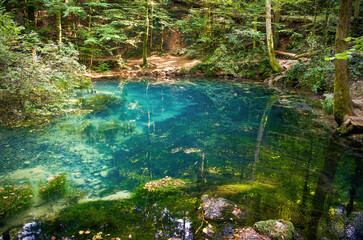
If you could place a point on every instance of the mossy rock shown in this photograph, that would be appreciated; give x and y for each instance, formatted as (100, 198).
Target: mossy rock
(276, 229)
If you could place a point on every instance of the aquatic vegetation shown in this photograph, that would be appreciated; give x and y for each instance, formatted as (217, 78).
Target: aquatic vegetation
(100, 104)
(202, 134)
(14, 198)
(110, 130)
(54, 187)
(164, 184)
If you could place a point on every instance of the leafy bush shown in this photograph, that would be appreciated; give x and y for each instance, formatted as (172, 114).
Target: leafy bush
(328, 105)
(316, 76)
(35, 78)
(14, 198)
(102, 67)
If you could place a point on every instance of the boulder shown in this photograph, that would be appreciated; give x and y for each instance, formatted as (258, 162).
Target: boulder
(249, 233)
(276, 229)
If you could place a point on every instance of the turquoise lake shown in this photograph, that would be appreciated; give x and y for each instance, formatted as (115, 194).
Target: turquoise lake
(264, 151)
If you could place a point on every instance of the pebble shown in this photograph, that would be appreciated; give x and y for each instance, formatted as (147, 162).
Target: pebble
(27, 162)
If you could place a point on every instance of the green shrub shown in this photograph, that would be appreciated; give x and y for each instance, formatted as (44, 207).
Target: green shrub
(328, 105)
(316, 76)
(101, 67)
(36, 79)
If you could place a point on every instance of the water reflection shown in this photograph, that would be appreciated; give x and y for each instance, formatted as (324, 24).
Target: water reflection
(255, 147)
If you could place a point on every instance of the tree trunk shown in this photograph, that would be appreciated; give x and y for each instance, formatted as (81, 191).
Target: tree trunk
(162, 39)
(255, 31)
(356, 18)
(315, 15)
(146, 35)
(58, 20)
(30, 9)
(327, 19)
(342, 103)
(270, 42)
(151, 25)
(275, 30)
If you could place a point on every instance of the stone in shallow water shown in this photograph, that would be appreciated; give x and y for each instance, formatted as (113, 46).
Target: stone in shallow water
(276, 229)
(104, 173)
(79, 182)
(215, 207)
(27, 162)
(249, 234)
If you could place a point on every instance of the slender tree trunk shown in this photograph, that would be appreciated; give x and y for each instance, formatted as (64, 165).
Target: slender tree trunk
(30, 9)
(270, 42)
(315, 15)
(275, 30)
(342, 103)
(327, 19)
(89, 32)
(146, 35)
(151, 25)
(58, 22)
(356, 18)
(255, 31)
(162, 39)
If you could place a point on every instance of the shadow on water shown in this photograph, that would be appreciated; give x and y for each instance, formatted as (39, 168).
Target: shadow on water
(259, 149)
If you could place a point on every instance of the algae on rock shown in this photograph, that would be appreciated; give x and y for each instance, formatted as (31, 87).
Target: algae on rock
(276, 229)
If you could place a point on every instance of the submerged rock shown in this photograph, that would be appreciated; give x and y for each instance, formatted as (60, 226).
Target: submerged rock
(214, 208)
(104, 173)
(276, 229)
(249, 234)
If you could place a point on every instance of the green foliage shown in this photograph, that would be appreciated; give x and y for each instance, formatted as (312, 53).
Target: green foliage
(316, 76)
(328, 105)
(36, 79)
(14, 198)
(357, 48)
(102, 67)
(54, 187)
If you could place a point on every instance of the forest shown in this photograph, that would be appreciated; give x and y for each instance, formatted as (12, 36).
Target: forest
(59, 40)
(146, 119)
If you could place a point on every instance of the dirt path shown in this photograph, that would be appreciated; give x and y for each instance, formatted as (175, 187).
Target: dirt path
(159, 66)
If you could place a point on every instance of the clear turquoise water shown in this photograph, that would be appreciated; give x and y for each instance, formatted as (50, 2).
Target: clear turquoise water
(203, 131)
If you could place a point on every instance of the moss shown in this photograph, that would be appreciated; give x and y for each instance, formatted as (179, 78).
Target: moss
(227, 190)
(276, 229)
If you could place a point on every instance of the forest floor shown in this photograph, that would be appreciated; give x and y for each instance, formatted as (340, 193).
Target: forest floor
(159, 66)
(168, 64)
